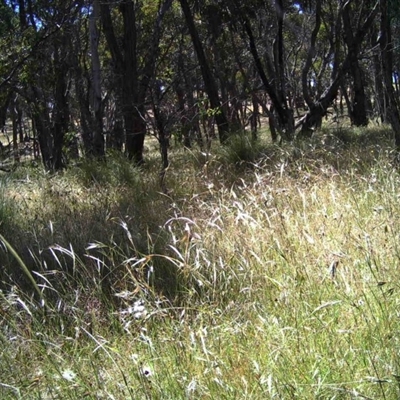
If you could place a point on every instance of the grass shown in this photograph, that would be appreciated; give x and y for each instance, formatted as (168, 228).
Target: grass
(272, 278)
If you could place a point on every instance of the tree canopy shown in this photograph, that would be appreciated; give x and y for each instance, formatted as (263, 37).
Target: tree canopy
(91, 76)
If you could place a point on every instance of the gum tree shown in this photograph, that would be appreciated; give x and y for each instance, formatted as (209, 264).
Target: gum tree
(341, 60)
(134, 58)
(208, 77)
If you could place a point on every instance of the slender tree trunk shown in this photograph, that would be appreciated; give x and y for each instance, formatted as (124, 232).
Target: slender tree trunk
(124, 64)
(131, 91)
(98, 137)
(14, 118)
(358, 111)
(41, 120)
(359, 101)
(183, 118)
(344, 91)
(254, 116)
(85, 116)
(20, 122)
(270, 112)
(126, 74)
(310, 55)
(61, 108)
(317, 111)
(135, 130)
(279, 53)
(285, 114)
(386, 46)
(135, 126)
(4, 108)
(116, 135)
(208, 78)
(379, 94)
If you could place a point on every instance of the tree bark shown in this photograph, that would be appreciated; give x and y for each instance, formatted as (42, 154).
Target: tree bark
(14, 118)
(380, 101)
(61, 107)
(310, 55)
(386, 46)
(358, 111)
(208, 78)
(98, 137)
(41, 119)
(285, 114)
(313, 118)
(132, 90)
(4, 107)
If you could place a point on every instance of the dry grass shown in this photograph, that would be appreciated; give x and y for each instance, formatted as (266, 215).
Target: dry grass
(275, 278)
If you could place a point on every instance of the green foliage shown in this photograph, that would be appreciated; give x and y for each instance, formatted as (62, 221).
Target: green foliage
(206, 111)
(373, 136)
(8, 212)
(22, 265)
(241, 149)
(394, 10)
(8, 19)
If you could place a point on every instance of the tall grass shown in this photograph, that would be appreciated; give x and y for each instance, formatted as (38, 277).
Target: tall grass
(274, 281)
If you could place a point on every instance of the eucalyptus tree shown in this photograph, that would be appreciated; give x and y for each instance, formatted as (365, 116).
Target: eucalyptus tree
(341, 59)
(210, 85)
(134, 51)
(98, 137)
(39, 68)
(185, 85)
(358, 105)
(268, 52)
(7, 26)
(386, 47)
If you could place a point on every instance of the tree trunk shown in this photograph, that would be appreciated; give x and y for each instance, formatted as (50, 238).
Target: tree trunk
(14, 118)
(135, 130)
(208, 78)
(254, 116)
(98, 137)
(61, 107)
(313, 118)
(131, 91)
(41, 119)
(184, 122)
(4, 108)
(84, 111)
(135, 126)
(310, 55)
(279, 53)
(386, 46)
(358, 111)
(285, 114)
(20, 122)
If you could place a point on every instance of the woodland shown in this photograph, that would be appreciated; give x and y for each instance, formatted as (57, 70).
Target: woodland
(81, 78)
(199, 199)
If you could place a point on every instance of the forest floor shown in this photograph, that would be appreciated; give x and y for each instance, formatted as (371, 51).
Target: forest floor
(265, 272)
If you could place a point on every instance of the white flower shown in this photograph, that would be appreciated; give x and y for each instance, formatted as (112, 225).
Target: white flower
(147, 371)
(124, 295)
(191, 388)
(68, 375)
(138, 315)
(139, 310)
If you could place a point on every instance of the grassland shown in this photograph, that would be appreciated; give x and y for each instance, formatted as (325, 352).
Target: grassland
(264, 272)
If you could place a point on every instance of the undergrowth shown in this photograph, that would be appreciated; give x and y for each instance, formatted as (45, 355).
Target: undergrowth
(272, 277)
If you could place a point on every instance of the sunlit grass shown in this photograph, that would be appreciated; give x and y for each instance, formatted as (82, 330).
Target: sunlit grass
(273, 278)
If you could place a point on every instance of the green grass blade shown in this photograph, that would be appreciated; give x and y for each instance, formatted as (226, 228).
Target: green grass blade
(23, 266)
